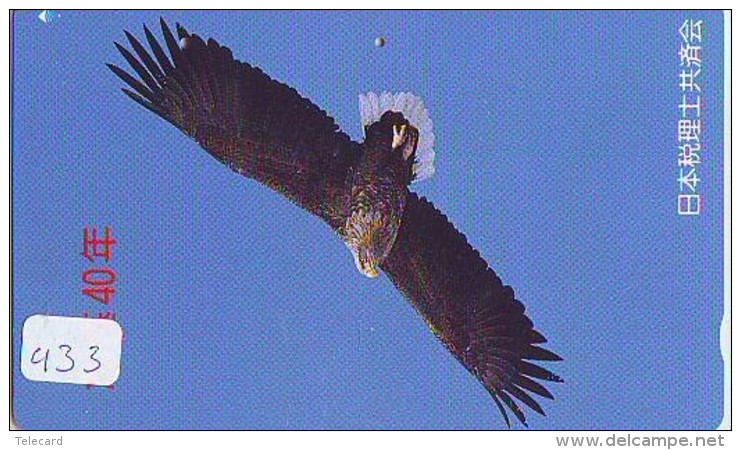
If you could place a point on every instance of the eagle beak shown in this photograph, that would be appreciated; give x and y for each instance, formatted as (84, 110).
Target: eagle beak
(370, 272)
(399, 133)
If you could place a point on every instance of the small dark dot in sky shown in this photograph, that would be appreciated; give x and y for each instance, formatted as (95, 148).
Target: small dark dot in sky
(380, 41)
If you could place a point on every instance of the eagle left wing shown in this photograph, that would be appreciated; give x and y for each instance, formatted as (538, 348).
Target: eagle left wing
(253, 124)
(468, 308)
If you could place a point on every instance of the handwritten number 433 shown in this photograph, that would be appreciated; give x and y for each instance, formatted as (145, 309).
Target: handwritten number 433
(90, 364)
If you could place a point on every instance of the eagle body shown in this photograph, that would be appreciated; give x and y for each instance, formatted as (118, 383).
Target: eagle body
(265, 130)
(379, 191)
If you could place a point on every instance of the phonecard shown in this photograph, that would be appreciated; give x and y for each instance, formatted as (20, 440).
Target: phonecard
(370, 220)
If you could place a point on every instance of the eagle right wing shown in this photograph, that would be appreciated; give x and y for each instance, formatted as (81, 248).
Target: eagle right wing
(468, 308)
(256, 126)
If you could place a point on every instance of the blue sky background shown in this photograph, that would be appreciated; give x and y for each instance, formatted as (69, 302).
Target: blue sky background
(556, 144)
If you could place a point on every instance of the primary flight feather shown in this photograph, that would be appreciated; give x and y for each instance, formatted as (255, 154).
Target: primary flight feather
(265, 130)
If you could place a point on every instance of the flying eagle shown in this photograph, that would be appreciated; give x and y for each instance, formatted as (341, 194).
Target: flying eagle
(265, 130)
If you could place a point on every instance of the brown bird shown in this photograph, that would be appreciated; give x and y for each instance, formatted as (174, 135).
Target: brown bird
(265, 130)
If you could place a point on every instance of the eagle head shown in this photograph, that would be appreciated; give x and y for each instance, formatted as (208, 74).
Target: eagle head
(366, 235)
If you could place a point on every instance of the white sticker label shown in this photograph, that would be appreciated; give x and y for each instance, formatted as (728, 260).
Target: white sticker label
(71, 350)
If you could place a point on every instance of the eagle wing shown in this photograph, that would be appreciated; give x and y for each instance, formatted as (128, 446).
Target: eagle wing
(468, 308)
(255, 125)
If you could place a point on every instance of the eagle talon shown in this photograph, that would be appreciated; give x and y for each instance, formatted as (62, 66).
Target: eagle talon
(399, 133)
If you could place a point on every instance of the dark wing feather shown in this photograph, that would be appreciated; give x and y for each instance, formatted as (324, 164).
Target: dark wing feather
(466, 306)
(256, 126)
